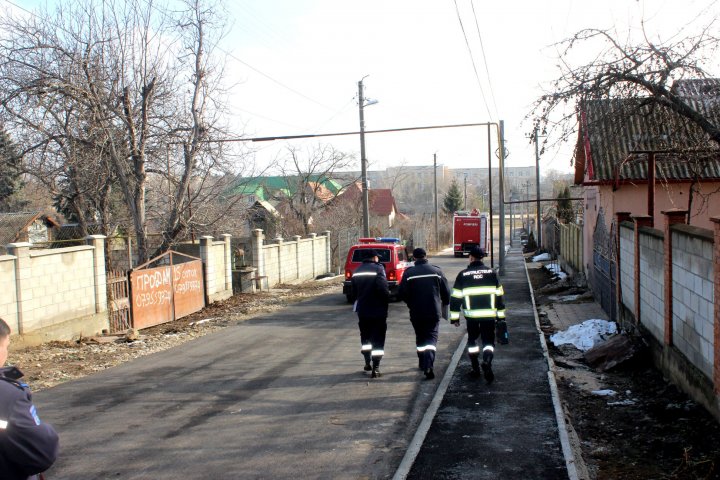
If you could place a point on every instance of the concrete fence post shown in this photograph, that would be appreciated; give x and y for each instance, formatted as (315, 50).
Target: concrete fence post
(99, 273)
(298, 263)
(620, 217)
(23, 273)
(258, 257)
(328, 251)
(228, 260)
(640, 221)
(206, 242)
(716, 305)
(279, 240)
(313, 236)
(672, 217)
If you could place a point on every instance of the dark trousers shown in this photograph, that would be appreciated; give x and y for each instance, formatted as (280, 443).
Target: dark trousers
(485, 330)
(426, 338)
(372, 338)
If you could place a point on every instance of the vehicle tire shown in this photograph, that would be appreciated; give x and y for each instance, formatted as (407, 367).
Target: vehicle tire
(458, 254)
(349, 298)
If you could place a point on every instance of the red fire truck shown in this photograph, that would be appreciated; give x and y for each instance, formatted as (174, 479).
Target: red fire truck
(470, 229)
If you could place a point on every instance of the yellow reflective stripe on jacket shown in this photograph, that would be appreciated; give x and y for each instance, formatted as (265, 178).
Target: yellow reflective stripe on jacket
(454, 315)
(479, 291)
(457, 293)
(482, 313)
(501, 313)
(500, 291)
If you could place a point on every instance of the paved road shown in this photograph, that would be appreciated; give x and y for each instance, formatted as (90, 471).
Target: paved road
(278, 396)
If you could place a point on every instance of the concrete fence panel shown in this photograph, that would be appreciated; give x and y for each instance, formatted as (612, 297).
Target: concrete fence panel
(652, 284)
(627, 266)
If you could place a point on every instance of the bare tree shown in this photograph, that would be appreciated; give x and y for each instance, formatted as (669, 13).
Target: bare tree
(644, 71)
(307, 177)
(116, 92)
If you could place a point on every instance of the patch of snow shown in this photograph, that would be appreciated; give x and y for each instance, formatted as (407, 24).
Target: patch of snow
(622, 402)
(604, 393)
(543, 257)
(585, 335)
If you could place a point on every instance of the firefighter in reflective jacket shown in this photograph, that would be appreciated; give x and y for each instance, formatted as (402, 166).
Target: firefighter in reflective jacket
(479, 295)
(370, 288)
(425, 290)
(27, 445)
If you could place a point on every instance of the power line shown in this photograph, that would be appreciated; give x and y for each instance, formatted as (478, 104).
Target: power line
(487, 70)
(472, 59)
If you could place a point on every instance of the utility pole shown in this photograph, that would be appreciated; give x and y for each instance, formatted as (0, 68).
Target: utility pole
(490, 199)
(501, 194)
(437, 231)
(363, 163)
(527, 206)
(465, 194)
(537, 190)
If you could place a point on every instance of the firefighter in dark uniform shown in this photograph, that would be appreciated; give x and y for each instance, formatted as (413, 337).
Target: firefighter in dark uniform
(370, 289)
(27, 446)
(479, 295)
(425, 290)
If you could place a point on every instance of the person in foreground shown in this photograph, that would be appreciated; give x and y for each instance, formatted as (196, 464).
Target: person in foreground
(370, 288)
(479, 295)
(27, 446)
(425, 290)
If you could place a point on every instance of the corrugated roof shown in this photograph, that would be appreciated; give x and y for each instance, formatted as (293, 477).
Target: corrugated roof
(612, 129)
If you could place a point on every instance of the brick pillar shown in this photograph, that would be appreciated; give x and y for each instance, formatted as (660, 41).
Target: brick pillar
(228, 260)
(672, 217)
(258, 257)
(206, 242)
(620, 217)
(99, 274)
(640, 221)
(296, 239)
(23, 273)
(716, 306)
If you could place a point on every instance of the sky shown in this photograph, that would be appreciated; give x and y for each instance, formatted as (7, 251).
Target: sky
(294, 67)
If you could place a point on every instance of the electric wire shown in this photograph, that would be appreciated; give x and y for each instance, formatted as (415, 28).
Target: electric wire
(472, 59)
(487, 70)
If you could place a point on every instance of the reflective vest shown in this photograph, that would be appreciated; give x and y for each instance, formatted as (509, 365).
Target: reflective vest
(478, 294)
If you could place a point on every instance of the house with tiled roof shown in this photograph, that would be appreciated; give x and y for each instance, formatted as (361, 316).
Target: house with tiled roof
(640, 158)
(32, 227)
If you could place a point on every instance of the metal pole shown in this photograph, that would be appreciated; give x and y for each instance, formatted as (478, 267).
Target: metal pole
(437, 231)
(501, 194)
(465, 193)
(492, 229)
(537, 189)
(363, 164)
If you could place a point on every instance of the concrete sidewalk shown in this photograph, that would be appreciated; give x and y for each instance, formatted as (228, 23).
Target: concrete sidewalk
(512, 428)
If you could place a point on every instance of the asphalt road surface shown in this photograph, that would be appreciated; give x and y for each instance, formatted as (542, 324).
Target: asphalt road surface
(282, 395)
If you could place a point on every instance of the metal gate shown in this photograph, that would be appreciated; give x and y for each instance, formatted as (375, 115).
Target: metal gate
(166, 288)
(118, 301)
(604, 266)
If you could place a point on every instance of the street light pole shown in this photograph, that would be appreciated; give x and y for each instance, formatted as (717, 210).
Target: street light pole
(363, 163)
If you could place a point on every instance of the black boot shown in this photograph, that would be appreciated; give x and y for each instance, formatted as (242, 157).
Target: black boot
(475, 372)
(487, 366)
(376, 373)
(429, 373)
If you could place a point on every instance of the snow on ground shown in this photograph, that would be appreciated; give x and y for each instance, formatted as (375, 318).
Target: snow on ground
(586, 335)
(543, 257)
(555, 269)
